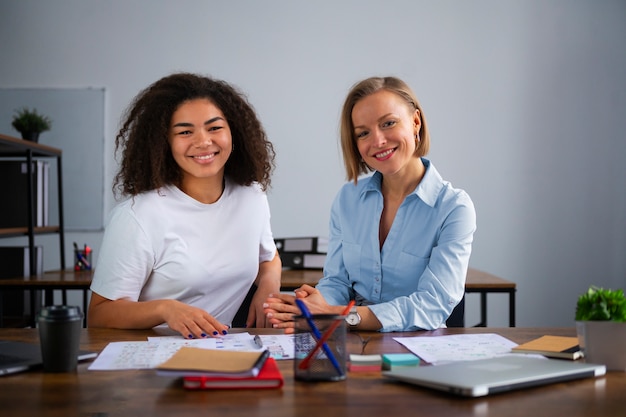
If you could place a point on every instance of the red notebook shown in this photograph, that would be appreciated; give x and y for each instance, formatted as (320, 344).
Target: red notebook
(269, 377)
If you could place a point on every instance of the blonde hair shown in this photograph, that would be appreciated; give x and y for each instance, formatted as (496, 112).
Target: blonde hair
(351, 157)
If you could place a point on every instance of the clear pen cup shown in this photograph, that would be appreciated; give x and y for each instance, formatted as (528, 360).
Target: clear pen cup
(326, 362)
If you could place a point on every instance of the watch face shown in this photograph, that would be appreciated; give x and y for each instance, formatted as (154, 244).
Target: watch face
(352, 319)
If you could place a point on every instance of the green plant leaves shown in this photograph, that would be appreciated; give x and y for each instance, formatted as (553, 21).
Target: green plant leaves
(601, 304)
(26, 120)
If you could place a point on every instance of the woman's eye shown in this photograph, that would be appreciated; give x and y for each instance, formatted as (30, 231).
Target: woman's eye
(214, 128)
(361, 135)
(389, 123)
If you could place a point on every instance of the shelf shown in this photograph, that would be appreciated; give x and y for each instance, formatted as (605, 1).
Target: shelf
(23, 231)
(10, 147)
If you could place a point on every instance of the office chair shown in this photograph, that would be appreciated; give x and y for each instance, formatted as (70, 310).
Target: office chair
(457, 317)
(240, 317)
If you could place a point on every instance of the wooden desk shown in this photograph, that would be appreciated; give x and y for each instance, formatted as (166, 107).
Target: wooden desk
(50, 281)
(476, 282)
(141, 392)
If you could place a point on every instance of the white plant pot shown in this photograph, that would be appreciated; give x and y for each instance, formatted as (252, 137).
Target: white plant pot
(603, 342)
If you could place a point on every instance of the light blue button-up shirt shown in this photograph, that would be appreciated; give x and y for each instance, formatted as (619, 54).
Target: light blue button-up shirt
(417, 278)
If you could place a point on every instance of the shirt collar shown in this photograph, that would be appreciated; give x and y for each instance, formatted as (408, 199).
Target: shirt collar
(427, 190)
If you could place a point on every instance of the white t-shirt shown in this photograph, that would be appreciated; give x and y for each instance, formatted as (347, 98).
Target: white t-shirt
(163, 244)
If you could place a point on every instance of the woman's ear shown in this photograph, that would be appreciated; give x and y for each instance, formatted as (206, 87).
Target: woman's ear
(417, 122)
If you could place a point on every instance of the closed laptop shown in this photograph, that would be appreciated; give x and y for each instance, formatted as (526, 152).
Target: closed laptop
(20, 356)
(489, 376)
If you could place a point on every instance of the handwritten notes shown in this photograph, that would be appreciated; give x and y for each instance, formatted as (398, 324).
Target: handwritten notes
(441, 349)
(156, 350)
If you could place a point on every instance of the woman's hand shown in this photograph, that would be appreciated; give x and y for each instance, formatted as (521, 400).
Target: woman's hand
(191, 322)
(315, 301)
(280, 310)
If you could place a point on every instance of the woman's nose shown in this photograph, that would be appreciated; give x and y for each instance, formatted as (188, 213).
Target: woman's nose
(203, 138)
(378, 138)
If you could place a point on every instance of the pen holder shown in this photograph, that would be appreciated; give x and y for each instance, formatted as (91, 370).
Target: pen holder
(314, 361)
(82, 260)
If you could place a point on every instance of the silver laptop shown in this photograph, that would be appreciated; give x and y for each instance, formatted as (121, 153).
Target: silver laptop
(489, 376)
(20, 356)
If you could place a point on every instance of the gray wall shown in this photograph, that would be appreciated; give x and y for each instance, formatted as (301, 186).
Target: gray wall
(525, 100)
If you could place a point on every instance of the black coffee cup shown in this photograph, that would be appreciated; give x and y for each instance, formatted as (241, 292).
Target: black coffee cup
(59, 334)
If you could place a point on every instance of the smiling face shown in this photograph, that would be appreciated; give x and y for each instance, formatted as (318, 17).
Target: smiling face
(385, 130)
(201, 143)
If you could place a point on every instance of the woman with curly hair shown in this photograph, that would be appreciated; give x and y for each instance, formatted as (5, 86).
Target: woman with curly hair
(193, 234)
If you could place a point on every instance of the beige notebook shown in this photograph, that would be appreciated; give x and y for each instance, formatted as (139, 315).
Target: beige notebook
(552, 346)
(211, 362)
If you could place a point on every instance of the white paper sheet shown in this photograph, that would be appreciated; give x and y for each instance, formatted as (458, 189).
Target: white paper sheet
(442, 349)
(156, 350)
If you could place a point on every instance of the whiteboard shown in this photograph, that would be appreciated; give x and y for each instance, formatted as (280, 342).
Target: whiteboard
(78, 130)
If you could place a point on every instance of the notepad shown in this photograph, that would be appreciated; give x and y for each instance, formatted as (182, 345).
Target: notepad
(191, 361)
(365, 363)
(552, 346)
(268, 377)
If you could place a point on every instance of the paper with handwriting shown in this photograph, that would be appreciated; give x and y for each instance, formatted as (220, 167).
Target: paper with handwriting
(441, 349)
(156, 350)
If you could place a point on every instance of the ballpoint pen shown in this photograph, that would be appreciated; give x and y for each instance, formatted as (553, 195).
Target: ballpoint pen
(309, 319)
(305, 362)
(82, 260)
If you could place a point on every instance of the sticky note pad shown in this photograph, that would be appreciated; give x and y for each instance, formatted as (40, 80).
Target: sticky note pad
(365, 363)
(399, 359)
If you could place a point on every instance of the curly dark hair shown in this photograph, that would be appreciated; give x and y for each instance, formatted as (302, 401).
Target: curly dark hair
(147, 162)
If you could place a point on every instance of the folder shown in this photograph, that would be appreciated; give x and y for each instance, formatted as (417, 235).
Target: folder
(316, 244)
(299, 260)
(269, 377)
(15, 261)
(15, 184)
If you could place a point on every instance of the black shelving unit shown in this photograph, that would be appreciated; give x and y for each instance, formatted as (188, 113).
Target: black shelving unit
(15, 148)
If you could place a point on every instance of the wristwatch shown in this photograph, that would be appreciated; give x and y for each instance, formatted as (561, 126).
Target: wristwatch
(353, 318)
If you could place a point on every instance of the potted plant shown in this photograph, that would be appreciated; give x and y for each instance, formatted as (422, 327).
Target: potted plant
(30, 123)
(601, 327)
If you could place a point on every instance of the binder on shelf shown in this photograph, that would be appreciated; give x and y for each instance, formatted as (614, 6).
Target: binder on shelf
(14, 175)
(45, 193)
(315, 244)
(299, 260)
(15, 261)
(16, 304)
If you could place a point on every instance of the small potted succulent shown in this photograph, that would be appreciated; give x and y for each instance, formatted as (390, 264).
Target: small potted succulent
(601, 327)
(30, 123)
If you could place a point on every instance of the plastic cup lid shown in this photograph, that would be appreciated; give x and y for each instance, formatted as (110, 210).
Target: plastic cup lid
(60, 312)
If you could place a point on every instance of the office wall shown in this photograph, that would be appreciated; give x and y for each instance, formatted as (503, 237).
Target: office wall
(525, 101)
(77, 116)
